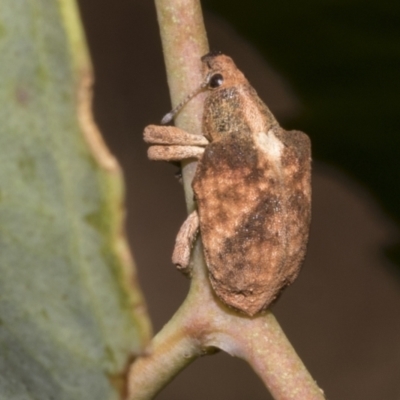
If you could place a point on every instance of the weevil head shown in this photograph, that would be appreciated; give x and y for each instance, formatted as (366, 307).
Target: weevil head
(221, 72)
(232, 106)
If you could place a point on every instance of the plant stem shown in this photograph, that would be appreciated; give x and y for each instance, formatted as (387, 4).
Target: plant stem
(184, 41)
(203, 324)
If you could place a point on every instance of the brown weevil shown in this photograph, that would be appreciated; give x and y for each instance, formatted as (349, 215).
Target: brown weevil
(252, 189)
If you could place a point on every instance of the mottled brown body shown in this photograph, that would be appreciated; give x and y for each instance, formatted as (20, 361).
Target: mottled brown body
(252, 187)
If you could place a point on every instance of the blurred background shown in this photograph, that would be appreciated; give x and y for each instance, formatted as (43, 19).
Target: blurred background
(328, 68)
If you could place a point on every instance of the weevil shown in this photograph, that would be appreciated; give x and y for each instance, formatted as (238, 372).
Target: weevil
(252, 189)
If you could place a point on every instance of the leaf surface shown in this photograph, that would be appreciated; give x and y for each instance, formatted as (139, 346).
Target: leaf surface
(71, 314)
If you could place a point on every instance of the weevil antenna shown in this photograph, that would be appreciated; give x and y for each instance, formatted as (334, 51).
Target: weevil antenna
(170, 116)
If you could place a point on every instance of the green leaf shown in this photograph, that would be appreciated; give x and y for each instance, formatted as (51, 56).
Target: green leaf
(71, 314)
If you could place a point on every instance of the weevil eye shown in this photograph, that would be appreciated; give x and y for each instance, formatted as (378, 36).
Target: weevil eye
(216, 81)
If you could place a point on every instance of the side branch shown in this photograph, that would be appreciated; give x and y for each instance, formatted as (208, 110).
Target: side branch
(171, 350)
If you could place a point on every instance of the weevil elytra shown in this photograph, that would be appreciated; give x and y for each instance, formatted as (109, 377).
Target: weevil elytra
(252, 189)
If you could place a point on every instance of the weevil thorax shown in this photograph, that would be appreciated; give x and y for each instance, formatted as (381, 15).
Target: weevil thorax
(232, 105)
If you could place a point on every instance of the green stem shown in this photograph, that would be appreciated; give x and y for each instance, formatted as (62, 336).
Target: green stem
(170, 351)
(184, 41)
(203, 324)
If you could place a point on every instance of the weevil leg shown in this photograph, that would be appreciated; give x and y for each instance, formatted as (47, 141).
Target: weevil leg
(184, 242)
(171, 135)
(173, 144)
(174, 153)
